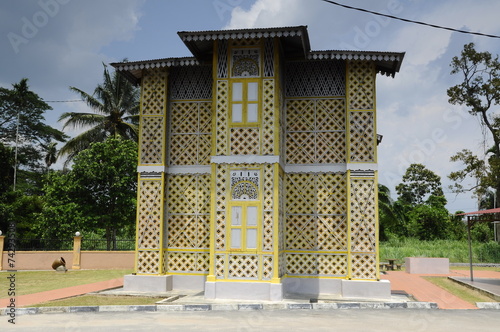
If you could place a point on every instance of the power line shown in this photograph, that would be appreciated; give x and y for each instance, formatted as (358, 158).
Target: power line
(412, 21)
(63, 101)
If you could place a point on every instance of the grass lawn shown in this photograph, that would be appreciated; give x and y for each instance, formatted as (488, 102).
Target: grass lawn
(96, 300)
(29, 282)
(463, 292)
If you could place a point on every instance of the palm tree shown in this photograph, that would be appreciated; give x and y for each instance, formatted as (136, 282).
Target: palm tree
(115, 103)
(50, 154)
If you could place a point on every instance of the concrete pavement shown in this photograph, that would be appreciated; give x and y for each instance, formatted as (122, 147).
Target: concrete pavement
(261, 320)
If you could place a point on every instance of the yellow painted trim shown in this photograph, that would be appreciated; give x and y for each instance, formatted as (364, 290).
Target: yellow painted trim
(374, 75)
(315, 277)
(377, 227)
(188, 250)
(348, 220)
(276, 221)
(214, 98)
(244, 102)
(137, 219)
(213, 220)
(164, 124)
(316, 252)
(162, 266)
(347, 115)
(244, 280)
(187, 273)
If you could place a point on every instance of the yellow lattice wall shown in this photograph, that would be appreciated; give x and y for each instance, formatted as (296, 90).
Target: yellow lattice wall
(361, 111)
(190, 133)
(188, 223)
(149, 226)
(153, 111)
(363, 220)
(149, 259)
(315, 131)
(316, 206)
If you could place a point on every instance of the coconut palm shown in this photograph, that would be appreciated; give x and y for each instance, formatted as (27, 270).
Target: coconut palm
(115, 103)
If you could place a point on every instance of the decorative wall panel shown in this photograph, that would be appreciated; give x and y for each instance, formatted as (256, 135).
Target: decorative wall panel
(315, 131)
(190, 82)
(314, 78)
(363, 214)
(190, 133)
(221, 113)
(361, 85)
(362, 136)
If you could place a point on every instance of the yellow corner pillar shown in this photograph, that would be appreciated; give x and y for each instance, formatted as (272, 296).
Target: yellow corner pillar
(77, 253)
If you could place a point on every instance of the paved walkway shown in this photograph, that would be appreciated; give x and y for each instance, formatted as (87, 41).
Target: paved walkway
(425, 291)
(56, 294)
(413, 284)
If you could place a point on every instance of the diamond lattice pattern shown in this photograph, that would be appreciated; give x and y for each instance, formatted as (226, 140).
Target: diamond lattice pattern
(362, 133)
(190, 133)
(315, 131)
(361, 85)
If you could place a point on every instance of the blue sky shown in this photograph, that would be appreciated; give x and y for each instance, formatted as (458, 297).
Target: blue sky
(62, 43)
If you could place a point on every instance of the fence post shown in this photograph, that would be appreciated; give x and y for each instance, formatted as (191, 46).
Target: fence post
(2, 237)
(77, 246)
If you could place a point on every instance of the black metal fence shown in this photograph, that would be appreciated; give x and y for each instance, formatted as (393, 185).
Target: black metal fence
(90, 243)
(99, 244)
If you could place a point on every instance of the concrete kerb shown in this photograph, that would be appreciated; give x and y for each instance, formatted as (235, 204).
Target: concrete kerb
(235, 307)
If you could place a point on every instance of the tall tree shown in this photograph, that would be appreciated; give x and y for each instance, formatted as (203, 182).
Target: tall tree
(418, 184)
(480, 92)
(115, 103)
(22, 126)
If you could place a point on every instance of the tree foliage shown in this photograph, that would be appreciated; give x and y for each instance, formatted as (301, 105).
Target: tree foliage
(480, 93)
(115, 103)
(418, 184)
(98, 193)
(22, 123)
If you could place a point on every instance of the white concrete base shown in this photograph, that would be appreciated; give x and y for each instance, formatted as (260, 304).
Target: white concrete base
(366, 289)
(140, 283)
(244, 291)
(188, 282)
(314, 288)
(427, 265)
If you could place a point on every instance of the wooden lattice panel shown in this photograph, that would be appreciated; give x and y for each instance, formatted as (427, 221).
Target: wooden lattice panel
(315, 131)
(221, 187)
(363, 215)
(362, 133)
(186, 231)
(243, 266)
(316, 265)
(267, 267)
(268, 117)
(188, 194)
(314, 78)
(300, 191)
(364, 266)
(190, 139)
(361, 85)
(332, 265)
(245, 141)
(316, 207)
(267, 240)
(148, 262)
(222, 105)
(154, 92)
(192, 262)
(149, 214)
(219, 266)
(152, 140)
(301, 264)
